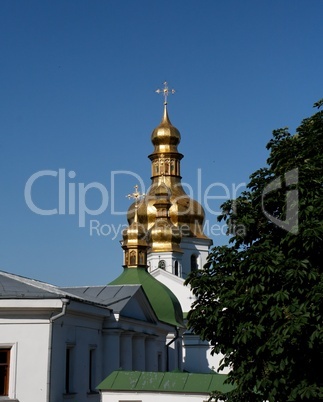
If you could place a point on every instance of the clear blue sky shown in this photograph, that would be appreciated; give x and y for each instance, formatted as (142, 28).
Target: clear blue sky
(77, 93)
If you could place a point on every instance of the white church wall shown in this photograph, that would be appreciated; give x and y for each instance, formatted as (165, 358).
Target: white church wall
(77, 337)
(165, 261)
(215, 361)
(197, 247)
(152, 396)
(38, 349)
(28, 340)
(197, 355)
(131, 345)
(176, 285)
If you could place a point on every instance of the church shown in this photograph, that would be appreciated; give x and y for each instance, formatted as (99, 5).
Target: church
(125, 341)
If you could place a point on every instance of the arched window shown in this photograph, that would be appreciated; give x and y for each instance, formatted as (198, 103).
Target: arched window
(126, 255)
(141, 258)
(172, 166)
(162, 264)
(176, 268)
(193, 263)
(132, 258)
(166, 167)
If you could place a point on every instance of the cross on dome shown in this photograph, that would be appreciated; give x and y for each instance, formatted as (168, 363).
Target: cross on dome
(165, 91)
(136, 195)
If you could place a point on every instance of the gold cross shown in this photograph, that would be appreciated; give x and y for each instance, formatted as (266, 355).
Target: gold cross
(135, 195)
(165, 91)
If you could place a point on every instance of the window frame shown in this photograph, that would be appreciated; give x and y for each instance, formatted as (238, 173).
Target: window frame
(5, 377)
(92, 360)
(11, 391)
(69, 369)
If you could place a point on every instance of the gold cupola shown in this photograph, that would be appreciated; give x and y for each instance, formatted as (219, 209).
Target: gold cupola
(185, 213)
(165, 158)
(164, 236)
(134, 243)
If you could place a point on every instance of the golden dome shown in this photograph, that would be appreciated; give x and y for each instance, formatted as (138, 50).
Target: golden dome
(134, 235)
(165, 137)
(184, 212)
(164, 236)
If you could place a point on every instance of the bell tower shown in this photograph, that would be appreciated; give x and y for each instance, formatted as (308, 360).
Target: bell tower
(173, 220)
(164, 237)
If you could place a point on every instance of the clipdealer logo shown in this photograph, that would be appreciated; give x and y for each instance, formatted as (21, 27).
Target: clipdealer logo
(74, 198)
(290, 223)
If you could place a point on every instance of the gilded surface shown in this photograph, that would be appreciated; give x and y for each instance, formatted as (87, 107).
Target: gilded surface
(184, 213)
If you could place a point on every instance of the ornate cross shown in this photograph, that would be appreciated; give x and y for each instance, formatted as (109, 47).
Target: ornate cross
(135, 195)
(165, 91)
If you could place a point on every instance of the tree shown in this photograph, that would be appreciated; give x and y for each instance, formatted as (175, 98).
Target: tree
(259, 300)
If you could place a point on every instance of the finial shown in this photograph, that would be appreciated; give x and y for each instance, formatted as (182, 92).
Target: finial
(165, 91)
(135, 195)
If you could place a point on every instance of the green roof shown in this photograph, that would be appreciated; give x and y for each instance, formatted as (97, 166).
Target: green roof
(165, 382)
(163, 301)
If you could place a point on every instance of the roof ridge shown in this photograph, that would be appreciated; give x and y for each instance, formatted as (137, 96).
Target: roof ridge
(33, 282)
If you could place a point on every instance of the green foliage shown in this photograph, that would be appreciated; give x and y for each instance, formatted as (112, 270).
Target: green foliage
(259, 300)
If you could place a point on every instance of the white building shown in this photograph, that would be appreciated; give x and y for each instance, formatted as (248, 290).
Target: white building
(58, 344)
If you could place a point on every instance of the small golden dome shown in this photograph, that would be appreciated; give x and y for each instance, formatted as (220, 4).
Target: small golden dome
(134, 235)
(135, 245)
(165, 137)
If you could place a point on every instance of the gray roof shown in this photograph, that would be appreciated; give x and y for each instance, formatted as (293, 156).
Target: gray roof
(18, 287)
(112, 296)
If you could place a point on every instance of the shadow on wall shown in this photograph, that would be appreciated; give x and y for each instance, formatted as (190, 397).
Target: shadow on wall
(195, 354)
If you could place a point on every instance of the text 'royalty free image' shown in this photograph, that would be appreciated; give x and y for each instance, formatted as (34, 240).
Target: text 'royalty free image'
(95, 199)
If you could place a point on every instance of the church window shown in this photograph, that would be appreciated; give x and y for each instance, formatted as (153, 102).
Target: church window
(179, 355)
(159, 362)
(162, 264)
(132, 258)
(176, 268)
(4, 371)
(162, 169)
(141, 258)
(172, 166)
(193, 263)
(92, 366)
(166, 167)
(69, 368)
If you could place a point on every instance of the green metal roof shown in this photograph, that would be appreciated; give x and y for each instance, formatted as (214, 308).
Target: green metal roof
(165, 382)
(163, 301)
